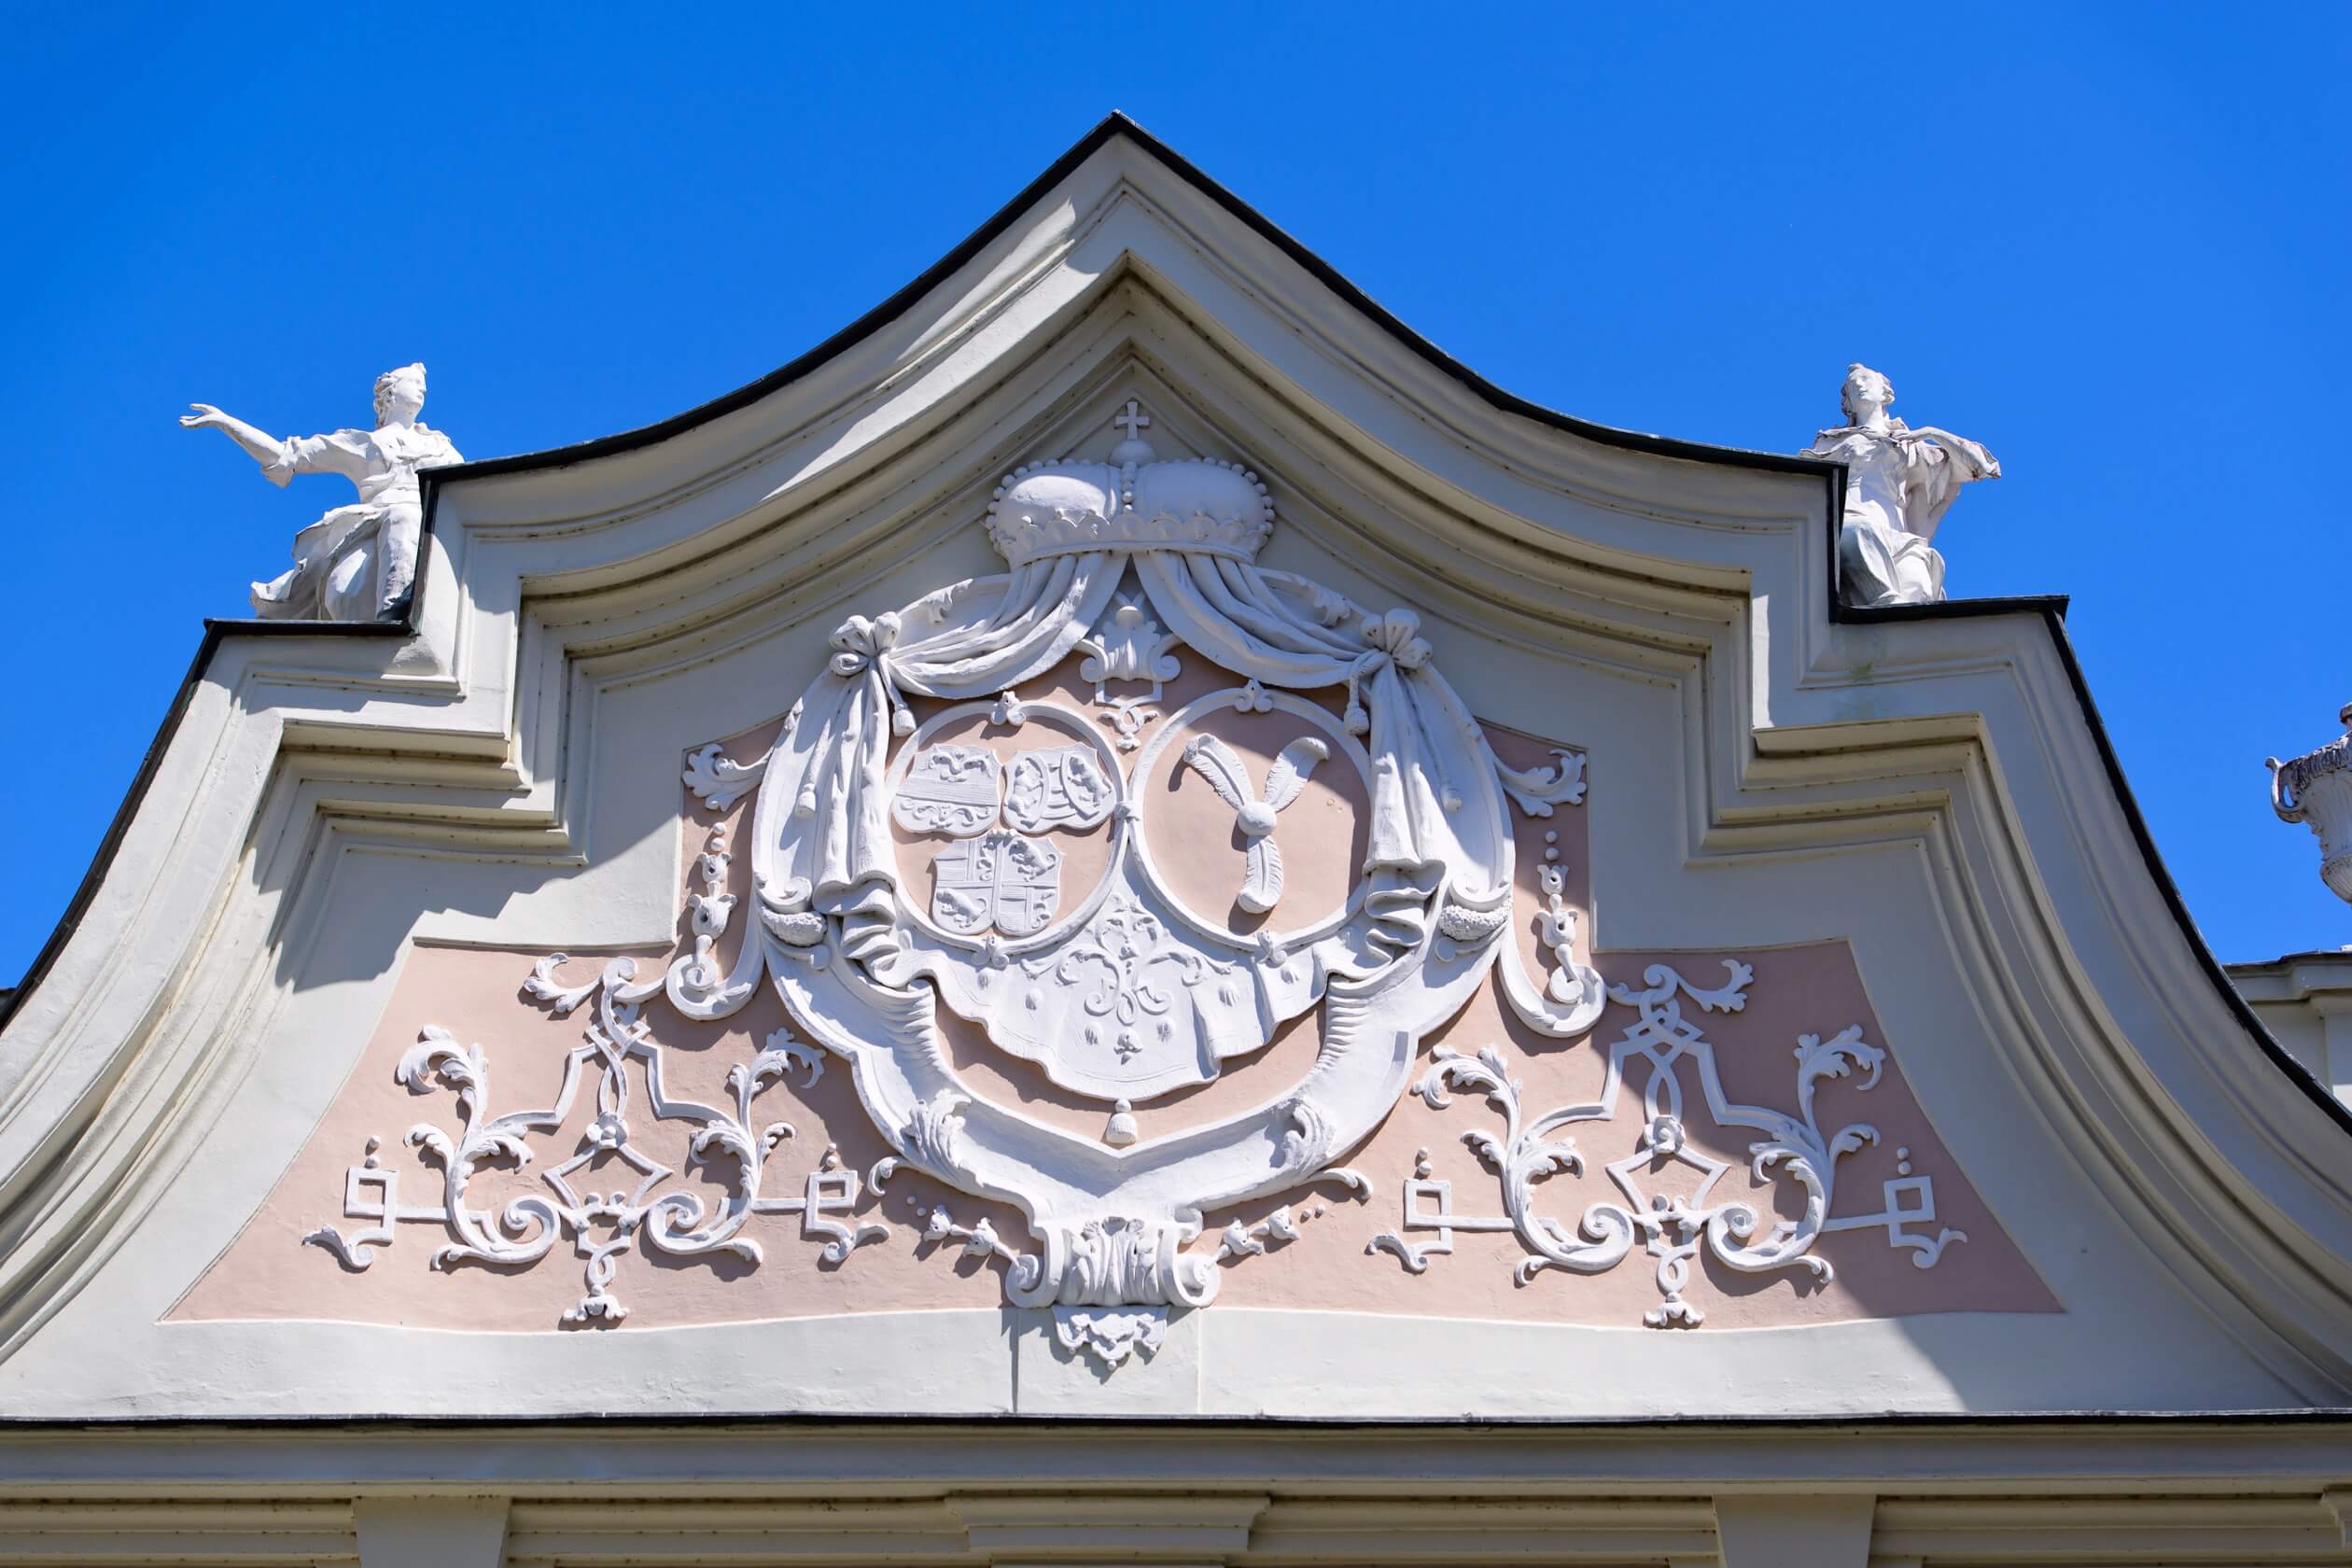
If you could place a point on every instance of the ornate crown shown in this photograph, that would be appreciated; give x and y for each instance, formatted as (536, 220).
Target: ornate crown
(1132, 502)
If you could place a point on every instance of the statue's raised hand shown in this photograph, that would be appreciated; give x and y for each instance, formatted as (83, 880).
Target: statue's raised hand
(263, 446)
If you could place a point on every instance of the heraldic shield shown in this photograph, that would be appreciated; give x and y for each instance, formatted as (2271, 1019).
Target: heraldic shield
(999, 880)
(1064, 787)
(1126, 985)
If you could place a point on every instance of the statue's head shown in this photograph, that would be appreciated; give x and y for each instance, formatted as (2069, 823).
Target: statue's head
(400, 394)
(1865, 392)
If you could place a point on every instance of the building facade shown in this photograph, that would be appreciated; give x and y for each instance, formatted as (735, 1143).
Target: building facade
(1127, 918)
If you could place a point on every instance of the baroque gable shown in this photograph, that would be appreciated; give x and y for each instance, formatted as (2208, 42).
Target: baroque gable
(1128, 839)
(1143, 1005)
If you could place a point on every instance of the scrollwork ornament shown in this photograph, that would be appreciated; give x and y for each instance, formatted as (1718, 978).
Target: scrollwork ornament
(603, 1225)
(718, 781)
(1671, 1228)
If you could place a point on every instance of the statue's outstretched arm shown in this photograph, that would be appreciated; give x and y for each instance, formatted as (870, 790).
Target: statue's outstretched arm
(264, 446)
(1984, 462)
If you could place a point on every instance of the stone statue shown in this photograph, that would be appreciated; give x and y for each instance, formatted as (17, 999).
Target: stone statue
(1899, 483)
(357, 561)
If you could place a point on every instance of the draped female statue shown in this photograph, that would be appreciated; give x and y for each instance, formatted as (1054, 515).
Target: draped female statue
(357, 561)
(1901, 480)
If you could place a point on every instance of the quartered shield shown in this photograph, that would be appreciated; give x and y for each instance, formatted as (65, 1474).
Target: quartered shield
(998, 880)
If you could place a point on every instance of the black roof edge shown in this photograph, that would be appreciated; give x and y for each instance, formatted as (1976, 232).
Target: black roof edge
(2051, 609)
(1112, 125)
(2301, 955)
(238, 625)
(2052, 605)
(2300, 1416)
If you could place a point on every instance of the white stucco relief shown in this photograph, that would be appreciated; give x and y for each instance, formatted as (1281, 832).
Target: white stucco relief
(648, 1208)
(1255, 809)
(1121, 990)
(922, 833)
(1670, 1227)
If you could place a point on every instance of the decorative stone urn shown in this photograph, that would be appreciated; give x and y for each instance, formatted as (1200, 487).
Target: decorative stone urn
(2317, 789)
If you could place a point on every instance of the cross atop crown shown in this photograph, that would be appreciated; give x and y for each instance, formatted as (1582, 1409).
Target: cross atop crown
(1134, 450)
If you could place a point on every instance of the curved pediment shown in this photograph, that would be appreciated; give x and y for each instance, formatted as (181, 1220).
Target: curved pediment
(1124, 837)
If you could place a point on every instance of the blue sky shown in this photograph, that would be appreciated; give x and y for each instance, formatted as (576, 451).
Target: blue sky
(2109, 242)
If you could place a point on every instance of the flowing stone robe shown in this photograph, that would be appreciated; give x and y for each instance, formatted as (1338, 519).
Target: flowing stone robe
(1899, 484)
(357, 561)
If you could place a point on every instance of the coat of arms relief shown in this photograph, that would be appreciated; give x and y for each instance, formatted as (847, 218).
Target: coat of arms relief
(1256, 802)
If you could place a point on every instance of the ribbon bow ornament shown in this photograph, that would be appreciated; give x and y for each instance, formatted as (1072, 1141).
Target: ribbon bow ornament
(1262, 878)
(859, 641)
(860, 644)
(1397, 634)
(1395, 638)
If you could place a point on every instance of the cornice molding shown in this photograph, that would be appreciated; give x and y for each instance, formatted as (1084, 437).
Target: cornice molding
(2061, 1492)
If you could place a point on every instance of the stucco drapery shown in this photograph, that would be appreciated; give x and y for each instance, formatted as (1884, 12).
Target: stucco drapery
(833, 852)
